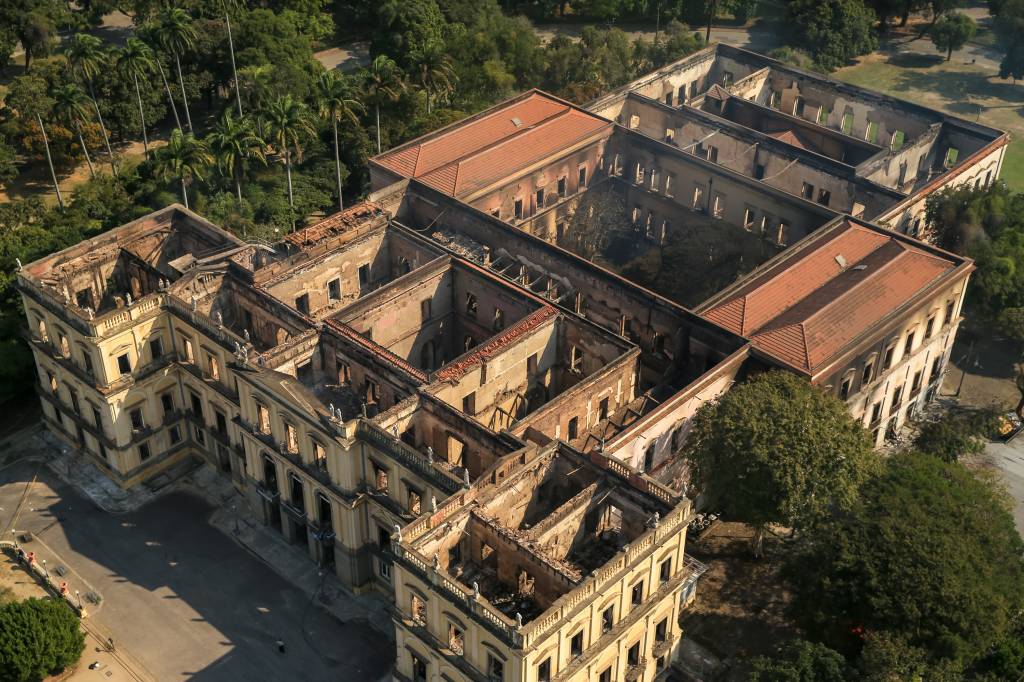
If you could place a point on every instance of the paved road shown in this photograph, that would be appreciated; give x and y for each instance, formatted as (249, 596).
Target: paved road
(182, 598)
(1009, 459)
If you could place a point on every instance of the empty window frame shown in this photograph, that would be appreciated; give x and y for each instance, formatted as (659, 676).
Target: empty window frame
(871, 132)
(364, 274)
(807, 191)
(124, 365)
(334, 290)
(846, 124)
(576, 359)
(517, 209)
(824, 196)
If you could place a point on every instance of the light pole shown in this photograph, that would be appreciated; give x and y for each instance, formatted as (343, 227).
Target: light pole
(78, 596)
(44, 569)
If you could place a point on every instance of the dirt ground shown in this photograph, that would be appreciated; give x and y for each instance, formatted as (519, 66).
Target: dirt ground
(740, 610)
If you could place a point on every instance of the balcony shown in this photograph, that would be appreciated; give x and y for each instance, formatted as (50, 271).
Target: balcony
(635, 671)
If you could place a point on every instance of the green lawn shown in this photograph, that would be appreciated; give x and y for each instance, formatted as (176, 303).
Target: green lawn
(969, 91)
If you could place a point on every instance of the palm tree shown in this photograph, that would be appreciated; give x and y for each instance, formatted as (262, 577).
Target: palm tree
(234, 143)
(435, 73)
(136, 59)
(334, 105)
(175, 33)
(70, 107)
(184, 158)
(383, 83)
(287, 122)
(148, 34)
(228, 6)
(257, 82)
(85, 54)
(27, 98)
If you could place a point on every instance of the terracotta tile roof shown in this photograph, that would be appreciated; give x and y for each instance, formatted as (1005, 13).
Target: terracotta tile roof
(474, 154)
(335, 224)
(789, 137)
(458, 368)
(805, 311)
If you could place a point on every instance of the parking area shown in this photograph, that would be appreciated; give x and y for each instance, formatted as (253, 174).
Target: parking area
(180, 596)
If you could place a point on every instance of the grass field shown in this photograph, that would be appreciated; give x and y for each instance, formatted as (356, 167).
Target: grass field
(970, 91)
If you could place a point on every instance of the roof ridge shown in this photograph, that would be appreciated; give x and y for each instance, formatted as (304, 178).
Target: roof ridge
(856, 286)
(514, 136)
(783, 268)
(416, 161)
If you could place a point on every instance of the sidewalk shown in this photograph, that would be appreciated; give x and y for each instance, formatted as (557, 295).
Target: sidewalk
(233, 517)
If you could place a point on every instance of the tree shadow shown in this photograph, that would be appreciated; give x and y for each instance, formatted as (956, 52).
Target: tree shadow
(914, 60)
(959, 88)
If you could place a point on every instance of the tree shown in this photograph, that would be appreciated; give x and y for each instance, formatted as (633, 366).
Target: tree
(382, 83)
(230, 5)
(234, 143)
(800, 661)
(86, 54)
(34, 23)
(407, 28)
(27, 97)
(335, 104)
(135, 59)
(777, 450)
(69, 107)
(794, 57)
(176, 34)
(834, 31)
(38, 638)
(287, 123)
(148, 34)
(986, 224)
(8, 162)
(928, 554)
(961, 431)
(184, 158)
(434, 73)
(952, 32)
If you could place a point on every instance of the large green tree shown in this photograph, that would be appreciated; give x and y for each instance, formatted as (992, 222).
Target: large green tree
(34, 23)
(287, 126)
(70, 107)
(928, 554)
(87, 56)
(952, 32)
(184, 158)
(27, 97)
(176, 34)
(960, 431)
(834, 31)
(134, 61)
(776, 449)
(986, 224)
(800, 661)
(38, 638)
(234, 143)
(335, 104)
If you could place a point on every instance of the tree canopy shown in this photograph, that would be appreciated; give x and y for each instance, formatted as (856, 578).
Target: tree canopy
(834, 31)
(928, 556)
(960, 431)
(38, 638)
(952, 32)
(775, 449)
(800, 661)
(986, 224)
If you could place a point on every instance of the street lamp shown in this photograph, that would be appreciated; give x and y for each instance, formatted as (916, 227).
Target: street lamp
(44, 569)
(78, 596)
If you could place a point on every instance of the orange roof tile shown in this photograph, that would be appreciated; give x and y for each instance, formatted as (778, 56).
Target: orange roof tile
(806, 311)
(457, 369)
(473, 154)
